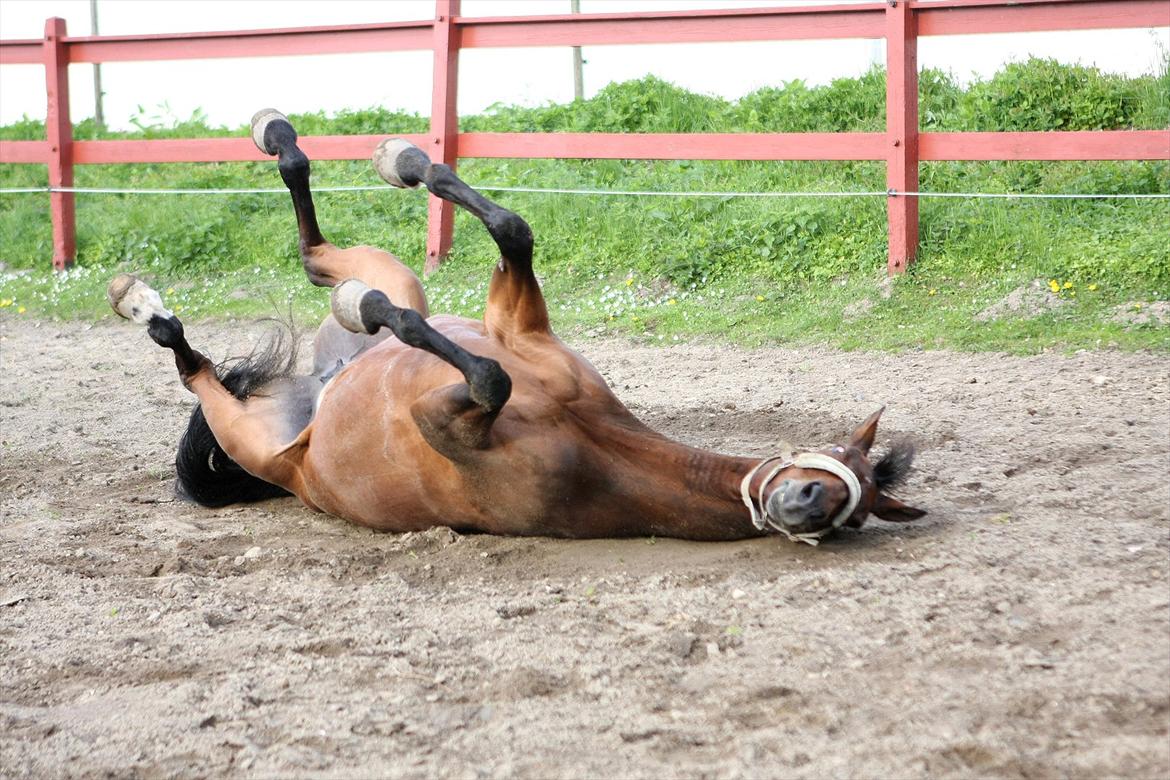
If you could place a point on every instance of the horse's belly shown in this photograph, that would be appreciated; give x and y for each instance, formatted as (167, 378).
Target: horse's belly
(368, 462)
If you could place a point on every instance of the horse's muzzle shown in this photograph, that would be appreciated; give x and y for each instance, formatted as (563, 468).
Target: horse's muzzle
(799, 505)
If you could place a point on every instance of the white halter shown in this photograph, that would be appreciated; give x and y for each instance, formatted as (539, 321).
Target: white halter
(804, 460)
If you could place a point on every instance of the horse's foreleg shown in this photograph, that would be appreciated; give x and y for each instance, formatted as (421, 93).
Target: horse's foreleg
(515, 303)
(325, 264)
(249, 433)
(363, 310)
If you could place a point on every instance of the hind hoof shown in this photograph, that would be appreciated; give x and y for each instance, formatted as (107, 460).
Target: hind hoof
(346, 302)
(386, 162)
(133, 299)
(260, 121)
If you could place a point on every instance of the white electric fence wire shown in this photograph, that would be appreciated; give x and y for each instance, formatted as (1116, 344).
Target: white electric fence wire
(611, 193)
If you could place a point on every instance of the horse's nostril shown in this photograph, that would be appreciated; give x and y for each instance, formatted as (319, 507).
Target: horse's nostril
(811, 492)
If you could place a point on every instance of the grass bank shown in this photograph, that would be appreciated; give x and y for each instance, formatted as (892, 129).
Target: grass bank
(751, 271)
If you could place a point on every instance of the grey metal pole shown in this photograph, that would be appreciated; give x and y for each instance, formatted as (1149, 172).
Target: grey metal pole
(578, 62)
(99, 118)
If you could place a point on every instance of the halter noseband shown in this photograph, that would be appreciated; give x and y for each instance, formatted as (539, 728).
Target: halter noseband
(804, 460)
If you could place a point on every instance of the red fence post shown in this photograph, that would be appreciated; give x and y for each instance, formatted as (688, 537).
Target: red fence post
(59, 134)
(902, 132)
(444, 127)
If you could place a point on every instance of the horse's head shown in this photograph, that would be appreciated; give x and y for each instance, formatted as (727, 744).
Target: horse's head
(807, 495)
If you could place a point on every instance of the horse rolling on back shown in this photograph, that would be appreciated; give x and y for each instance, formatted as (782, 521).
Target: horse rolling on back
(410, 421)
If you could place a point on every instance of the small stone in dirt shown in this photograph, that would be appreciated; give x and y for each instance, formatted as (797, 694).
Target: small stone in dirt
(1100, 380)
(681, 643)
(1040, 663)
(509, 611)
(216, 619)
(253, 552)
(738, 593)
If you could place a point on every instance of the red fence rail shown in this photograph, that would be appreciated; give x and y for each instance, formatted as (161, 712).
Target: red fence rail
(902, 146)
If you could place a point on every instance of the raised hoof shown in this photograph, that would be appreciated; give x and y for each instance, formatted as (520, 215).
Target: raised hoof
(386, 158)
(260, 121)
(134, 299)
(346, 301)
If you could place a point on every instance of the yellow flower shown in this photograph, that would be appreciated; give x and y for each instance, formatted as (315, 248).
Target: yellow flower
(1137, 307)
(170, 291)
(1053, 285)
(1067, 286)
(760, 298)
(1092, 287)
(629, 281)
(179, 308)
(671, 302)
(932, 291)
(5, 302)
(21, 310)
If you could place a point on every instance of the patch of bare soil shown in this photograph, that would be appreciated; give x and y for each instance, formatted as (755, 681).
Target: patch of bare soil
(1022, 629)
(1026, 301)
(1139, 313)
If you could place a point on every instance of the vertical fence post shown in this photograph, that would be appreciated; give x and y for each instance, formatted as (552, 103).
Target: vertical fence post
(59, 134)
(901, 132)
(444, 127)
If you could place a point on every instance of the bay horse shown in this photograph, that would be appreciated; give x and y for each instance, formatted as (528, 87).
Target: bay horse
(409, 421)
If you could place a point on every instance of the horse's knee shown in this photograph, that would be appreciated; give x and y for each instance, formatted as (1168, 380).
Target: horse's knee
(318, 276)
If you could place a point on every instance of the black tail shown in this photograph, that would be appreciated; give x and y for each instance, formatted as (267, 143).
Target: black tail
(205, 473)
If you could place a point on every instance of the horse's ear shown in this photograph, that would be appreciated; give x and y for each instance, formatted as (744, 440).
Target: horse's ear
(862, 438)
(893, 510)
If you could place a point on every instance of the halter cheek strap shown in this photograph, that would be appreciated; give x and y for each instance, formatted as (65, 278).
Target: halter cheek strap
(805, 460)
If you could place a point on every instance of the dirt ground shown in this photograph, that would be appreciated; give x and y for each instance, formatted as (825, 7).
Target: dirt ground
(1022, 629)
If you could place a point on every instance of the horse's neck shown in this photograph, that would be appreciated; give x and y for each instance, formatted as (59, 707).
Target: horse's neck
(671, 489)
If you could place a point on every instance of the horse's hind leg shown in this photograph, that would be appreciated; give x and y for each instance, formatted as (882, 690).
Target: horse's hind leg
(325, 264)
(515, 304)
(250, 432)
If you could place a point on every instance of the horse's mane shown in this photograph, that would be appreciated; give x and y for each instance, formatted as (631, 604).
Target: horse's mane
(204, 472)
(274, 358)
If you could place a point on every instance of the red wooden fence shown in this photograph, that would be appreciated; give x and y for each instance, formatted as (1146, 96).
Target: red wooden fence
(902, 146)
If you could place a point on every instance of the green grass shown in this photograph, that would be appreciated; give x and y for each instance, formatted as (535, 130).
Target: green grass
(666, 269)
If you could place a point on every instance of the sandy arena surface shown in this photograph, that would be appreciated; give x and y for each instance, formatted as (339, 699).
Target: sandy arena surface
(1022, 629)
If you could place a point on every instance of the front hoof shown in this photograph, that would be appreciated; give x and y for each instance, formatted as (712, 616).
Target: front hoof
(133, 299)
(260, 122)
(401, 163)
